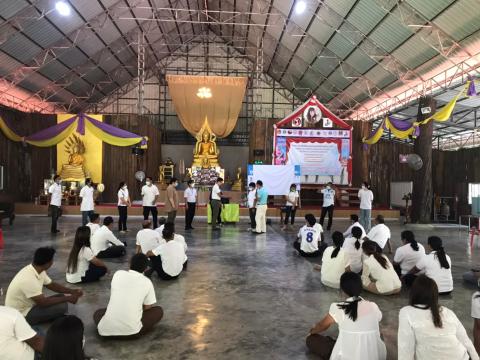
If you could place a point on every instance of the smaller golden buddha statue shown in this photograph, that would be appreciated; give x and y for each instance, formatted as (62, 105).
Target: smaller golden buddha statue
(238, 183)
(205, 154)
(74, 171)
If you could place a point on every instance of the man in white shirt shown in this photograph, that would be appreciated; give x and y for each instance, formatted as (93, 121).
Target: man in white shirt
(147, 238)
(309, 242)
(216, 202)
(328, 204)
(366, 198)
(55, 191)
(25, 292)
(104, 244)
(18, 341)
(130, 312)
(149, 200)
(161, 224)
(251, 196)
(190, 195)
(380, 234)
(87, 206)
(94, 223)
(354, 222)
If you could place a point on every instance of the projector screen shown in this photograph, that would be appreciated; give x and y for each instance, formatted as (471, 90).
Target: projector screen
(276, 178)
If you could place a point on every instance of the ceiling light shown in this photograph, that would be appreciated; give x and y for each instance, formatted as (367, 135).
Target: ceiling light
(63, 8)
(204, 93)
(300, 7)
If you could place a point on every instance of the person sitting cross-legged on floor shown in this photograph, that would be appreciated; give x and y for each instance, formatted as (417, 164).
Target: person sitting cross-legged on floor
(381, 234)
(168, 259)
(130, 312)
(82, 265)
(105, 244)
(147, 238)
(334, 262)
(378, 275)
(25, 292)
(309, 242)
(161, 224)
(358, 327)
(18, 341)
(94, 223)
(407, 256)
(354, 222)
(353, 250)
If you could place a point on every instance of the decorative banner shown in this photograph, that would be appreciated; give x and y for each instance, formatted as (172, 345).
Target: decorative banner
(276, 179)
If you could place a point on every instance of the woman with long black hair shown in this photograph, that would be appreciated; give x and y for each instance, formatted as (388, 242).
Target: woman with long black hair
(437, 266)
(353, 249)
(427, 330)
(407, 256)
(378, 276)
(82, 265)
(358, 326)
(334, 262)
(123, 204)
(65, 340)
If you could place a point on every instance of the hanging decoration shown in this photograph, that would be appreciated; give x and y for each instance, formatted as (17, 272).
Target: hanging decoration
(403, 129)
(57, 133)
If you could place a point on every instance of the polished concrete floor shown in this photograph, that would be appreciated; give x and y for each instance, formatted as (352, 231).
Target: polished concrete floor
(243, 297)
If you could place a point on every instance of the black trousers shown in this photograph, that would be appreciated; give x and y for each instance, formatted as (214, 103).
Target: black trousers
(252, 212)
(325, 210)
(190, 214)
(55, 211)
(216, 206)
(156, 263)
(122, 218)
(290, 213)
(319, 252)
(112, 252)
(94, 273)
(151, 209)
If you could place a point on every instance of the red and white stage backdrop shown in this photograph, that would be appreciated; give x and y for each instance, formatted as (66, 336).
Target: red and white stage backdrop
(318, 141)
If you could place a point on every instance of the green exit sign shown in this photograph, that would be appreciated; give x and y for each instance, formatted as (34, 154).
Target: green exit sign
(258, 162)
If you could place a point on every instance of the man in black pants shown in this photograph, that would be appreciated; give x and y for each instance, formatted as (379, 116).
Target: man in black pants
(104, 244)
(55, 191)
(190, 195)
(149, 201)
(216, 203)
(328, 204)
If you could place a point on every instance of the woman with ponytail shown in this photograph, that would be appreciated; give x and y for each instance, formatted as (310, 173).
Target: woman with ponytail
(353, 249)
(427, 330)
(378, 276)
(436, 266)
(358, 326)
(334, 262)
(407, 256)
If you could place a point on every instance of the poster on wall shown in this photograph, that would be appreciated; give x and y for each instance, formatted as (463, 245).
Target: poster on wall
(276, 179)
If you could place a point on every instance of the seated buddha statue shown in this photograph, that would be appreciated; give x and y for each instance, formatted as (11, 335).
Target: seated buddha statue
(74, 170)
(205, 154)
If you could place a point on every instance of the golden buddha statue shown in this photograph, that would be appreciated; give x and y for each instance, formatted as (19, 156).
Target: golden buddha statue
(74, 171)
(205, 154)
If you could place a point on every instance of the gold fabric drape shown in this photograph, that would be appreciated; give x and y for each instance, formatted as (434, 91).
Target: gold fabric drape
(221, 110)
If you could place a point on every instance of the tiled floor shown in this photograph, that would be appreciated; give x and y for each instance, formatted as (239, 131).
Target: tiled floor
(243, 297)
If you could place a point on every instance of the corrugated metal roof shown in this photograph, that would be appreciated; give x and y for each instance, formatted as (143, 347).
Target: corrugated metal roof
(429, 9)
(19, 47)
(9, 8)
(341, 7)
(390, 33)
(460, 20)
(414, 51)
(366, 15)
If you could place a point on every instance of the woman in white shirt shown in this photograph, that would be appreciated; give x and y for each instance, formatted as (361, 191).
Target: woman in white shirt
(334, 262)
(378, 276)
(82, 265)
(437, 266)
(427, 330)
(123, 204)
(353, 249)
(407, 256)
(366, 198)
(358, 327)
(87, 205)
(292, 203)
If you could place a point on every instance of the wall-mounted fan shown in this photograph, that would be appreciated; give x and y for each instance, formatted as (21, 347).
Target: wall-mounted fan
(140, 175)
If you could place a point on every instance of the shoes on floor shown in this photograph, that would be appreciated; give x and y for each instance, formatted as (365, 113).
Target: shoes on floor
(55, 231)
(215, 228)
(123, 232)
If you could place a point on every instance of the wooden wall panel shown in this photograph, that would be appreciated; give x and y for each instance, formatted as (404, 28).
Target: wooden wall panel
(119, 164)
(261, 138)
(25, 166)
(360, 155)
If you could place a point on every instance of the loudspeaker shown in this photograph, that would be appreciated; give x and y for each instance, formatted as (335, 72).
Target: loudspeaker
(258, 152)
(137, 151)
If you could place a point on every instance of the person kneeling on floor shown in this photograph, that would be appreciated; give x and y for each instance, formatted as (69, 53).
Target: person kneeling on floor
(169, 259)
(309, 242)
(130, 312)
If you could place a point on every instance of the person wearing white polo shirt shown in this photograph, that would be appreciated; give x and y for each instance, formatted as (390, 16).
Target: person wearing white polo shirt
(354, 222)
(380, 233)
(131, 310)
(328, 204)
(161, 224)
(18, 341)
(169, 259)
(149, 200)
(147, 238)
(309, 237)
(94, 223)
(216, 202)
(366, 198)
(25, 292)
(87, 206)
(190, 195)
(55, 191)
(122, 206)
(104, 244)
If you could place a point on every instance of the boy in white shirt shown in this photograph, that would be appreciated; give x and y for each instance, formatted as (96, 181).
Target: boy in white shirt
(380, 233)
(131, 310)
(149, 200)
(292, 203)
(328, 204)
(251, 196)
(104, 244)
(55, 191)
(87, 206)
(94, 223)
(147, 238)
(354, 222)
(309, 241)
(190, 195)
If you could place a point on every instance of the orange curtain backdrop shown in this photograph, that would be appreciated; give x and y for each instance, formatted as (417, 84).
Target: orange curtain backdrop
(221, 110)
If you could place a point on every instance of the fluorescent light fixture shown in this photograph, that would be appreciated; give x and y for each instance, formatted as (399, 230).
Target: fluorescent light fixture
(300, 7)
(63, 8)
